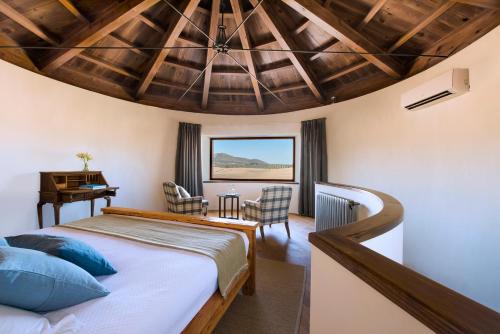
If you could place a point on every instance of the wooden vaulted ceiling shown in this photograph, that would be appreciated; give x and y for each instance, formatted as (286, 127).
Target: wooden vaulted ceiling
(160, 77)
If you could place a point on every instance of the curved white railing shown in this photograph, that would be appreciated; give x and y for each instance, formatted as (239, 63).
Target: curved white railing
(358, 284)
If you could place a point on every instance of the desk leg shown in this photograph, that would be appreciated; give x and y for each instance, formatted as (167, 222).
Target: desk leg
(232, 201)
(39, 208)
(220, 207)
(224, 207)
(108, 201)
(57, 210)
(92, 205)
(237, 208)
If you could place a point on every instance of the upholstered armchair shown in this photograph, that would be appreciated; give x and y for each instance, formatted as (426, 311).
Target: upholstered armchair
(180, 201)
(270, 208)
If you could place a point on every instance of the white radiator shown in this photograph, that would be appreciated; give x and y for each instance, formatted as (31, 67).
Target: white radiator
(334, 211)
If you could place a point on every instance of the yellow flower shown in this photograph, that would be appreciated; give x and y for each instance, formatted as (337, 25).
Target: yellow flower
(84, 156)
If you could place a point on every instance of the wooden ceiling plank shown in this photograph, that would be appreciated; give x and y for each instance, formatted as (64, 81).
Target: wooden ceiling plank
(70, 6)
(329, 46)
(491, 4)
(150, 23)
(170, 36)
(278, 30)
(453, 41)
(371, 14)
(265, 43)
(15, 56)
(108, 65)
(111, 19)
(345, 71)
(238, 17)
(429, 19)
(351, 38)
(190, 40)
(117, 38)
(302, 26)
(94, 83)
(212, 32)
(275, 66)
(22, 20)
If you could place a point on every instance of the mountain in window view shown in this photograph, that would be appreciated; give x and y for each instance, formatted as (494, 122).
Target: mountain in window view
(226, 161)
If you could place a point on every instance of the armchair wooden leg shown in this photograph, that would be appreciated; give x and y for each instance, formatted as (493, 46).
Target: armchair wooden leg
(262, 232)
(287, 229)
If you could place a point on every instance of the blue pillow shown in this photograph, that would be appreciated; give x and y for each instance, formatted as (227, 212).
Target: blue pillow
(3, 242)
(39, 282)
(68, 249)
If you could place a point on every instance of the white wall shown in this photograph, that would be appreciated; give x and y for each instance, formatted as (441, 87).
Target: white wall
(343, 303)
(44, 123)
(442, 163)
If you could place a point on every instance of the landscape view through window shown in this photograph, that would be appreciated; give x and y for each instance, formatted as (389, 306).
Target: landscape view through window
(253, 158)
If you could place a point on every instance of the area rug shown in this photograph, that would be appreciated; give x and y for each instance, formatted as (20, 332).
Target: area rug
(274, 308)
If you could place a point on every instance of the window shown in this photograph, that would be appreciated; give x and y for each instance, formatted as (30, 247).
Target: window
(252, 158)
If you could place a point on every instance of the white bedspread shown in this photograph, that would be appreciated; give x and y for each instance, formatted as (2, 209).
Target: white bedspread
(156, 290)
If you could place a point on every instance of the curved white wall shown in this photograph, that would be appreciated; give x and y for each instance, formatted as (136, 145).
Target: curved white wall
(442, 162)
(44, 123)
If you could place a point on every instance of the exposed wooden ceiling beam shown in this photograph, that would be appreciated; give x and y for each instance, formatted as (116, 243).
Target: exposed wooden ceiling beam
(238, 17)
(278, 65)
(328, 46)
(287, 88)
(120, 40)
(229, 70)
(345, 71)
(268, 14)
(371, 14)
(178, 23)
(175, 85)
(335, 26)
(22, 20)
(265, 43)
(112, 18)
(212, 32)
(191, 41)
(452, 42)
(302, 26)
(186, 65)
(93, 82)
(150, 23)
(438, 12)
(491, 4)
(68, 4)
(108, 65)
(15, 56)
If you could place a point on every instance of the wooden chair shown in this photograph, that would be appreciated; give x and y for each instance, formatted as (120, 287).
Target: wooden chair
(271, 208)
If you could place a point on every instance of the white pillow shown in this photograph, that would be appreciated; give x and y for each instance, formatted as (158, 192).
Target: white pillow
(14, 320)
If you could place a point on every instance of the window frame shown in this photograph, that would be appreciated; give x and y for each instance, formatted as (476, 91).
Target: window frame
(213, 139)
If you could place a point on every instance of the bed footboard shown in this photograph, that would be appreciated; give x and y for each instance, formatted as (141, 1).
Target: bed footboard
(213, 310)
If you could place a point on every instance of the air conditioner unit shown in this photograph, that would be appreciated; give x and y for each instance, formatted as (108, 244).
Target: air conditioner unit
(442, 88)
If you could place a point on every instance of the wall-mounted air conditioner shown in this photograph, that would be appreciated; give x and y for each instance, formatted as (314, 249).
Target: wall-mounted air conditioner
(442, 88)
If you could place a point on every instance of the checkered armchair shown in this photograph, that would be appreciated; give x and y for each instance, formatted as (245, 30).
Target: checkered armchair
(271, 208)
(179, 200)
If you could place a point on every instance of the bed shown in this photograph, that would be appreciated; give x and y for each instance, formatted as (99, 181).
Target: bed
(158, 289)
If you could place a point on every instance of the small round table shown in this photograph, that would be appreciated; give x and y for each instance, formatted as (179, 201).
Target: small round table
(222, 198)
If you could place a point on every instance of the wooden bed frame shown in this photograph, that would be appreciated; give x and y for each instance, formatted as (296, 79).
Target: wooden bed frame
(213, 310)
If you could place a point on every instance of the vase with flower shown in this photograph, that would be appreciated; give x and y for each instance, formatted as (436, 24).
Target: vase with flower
(85, 157)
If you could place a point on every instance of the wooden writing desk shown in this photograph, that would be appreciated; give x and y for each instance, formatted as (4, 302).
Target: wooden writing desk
(64, 187)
